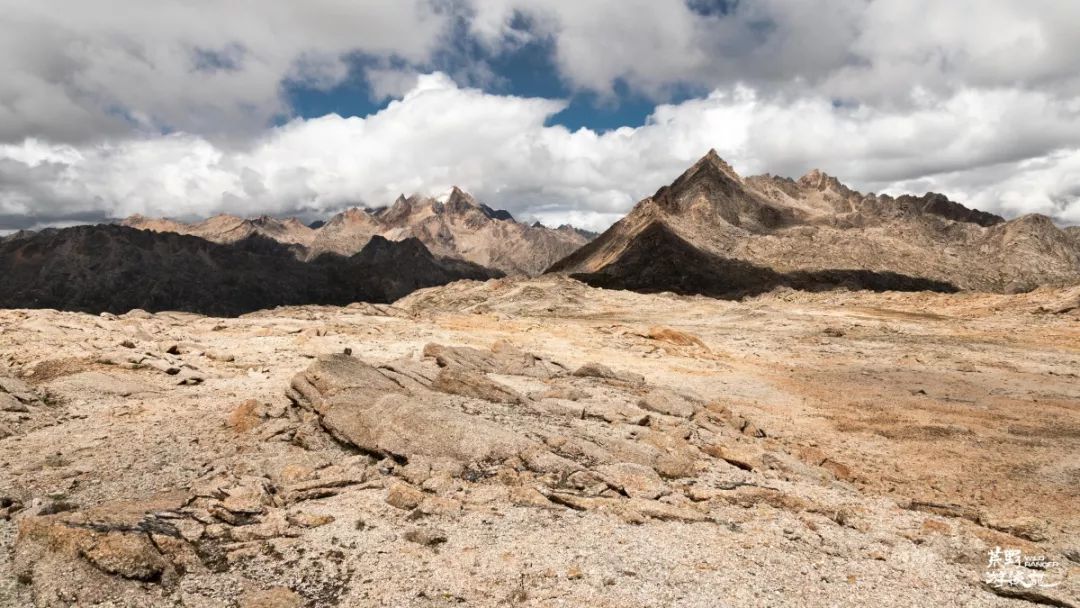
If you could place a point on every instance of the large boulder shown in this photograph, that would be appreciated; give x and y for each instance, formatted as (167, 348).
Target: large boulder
(14, 391)
(359, 404)
(104, 555)
(503, 358)
(403, 425)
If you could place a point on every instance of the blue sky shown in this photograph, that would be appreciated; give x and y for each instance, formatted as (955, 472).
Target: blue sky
(527, 71)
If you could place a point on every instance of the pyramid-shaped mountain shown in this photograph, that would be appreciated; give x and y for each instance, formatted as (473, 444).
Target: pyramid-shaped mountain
(714, 232)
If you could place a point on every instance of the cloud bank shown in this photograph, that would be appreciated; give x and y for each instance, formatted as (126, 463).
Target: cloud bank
(973, 146)
(182, 109)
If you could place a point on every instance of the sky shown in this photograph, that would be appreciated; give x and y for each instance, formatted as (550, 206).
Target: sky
(561, 111)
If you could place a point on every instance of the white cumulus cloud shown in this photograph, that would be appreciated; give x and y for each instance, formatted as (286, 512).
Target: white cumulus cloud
(864, 50)
(1006, 150)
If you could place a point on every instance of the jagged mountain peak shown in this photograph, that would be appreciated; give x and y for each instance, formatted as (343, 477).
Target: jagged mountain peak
(819, 231)
(711, 190)
(456, 192)
(710, 178)
(460, 201)
(398, 211)
(819, 180)
(456, 203)
(455, 225)
(458, 225)
(709, 166)
(271, 221)
(937, 204)
(713, 158)
(351, 214)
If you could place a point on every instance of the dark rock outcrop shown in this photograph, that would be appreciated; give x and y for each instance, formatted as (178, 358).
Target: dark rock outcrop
(108, 268)
(660, 260)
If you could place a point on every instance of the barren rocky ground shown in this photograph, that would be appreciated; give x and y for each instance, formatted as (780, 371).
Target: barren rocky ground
(544, 443)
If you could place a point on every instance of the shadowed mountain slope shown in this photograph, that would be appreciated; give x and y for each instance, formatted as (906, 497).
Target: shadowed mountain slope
(115, 269)
(660, 260)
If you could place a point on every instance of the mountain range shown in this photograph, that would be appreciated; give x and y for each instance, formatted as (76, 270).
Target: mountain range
(458, 227)
(710, 232)
(714, 232)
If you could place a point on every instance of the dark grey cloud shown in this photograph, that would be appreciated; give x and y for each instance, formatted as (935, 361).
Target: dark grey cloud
(76, 71)
(13, 223)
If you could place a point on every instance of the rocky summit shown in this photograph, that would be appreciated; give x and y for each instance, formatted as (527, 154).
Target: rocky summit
(717, 233)
(457, 227)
